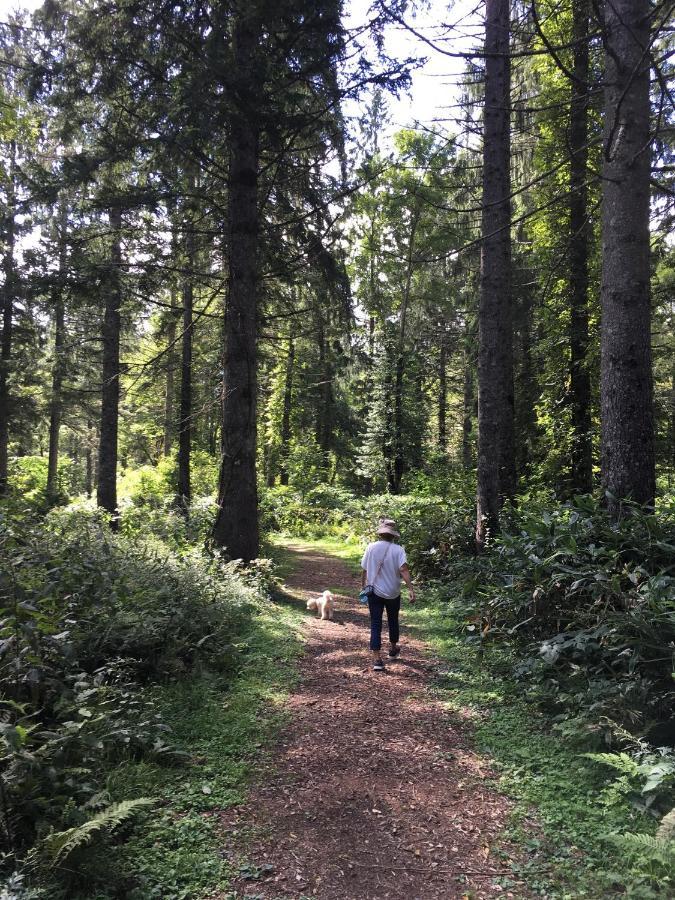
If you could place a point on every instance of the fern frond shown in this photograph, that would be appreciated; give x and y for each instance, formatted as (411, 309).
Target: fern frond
(640, 842)
(666, 830)
(648, 846)
(622, 762)
(61, 844)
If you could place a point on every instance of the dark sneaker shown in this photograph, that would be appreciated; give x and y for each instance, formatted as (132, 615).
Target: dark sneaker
(378, 666)
(394, 652)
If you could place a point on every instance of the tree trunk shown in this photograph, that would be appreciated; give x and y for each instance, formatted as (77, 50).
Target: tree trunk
(525, 410)
(286, 415)
(627, 453)
(170, 367)
(9, 291)
(58, 370)
(89, 460)
(373, 295)
(185, 423)
(269, 466)
(398, 460)
(468, 411)
(324, 397)
(327, 403)
(106, 493)
(319, 418)
(672, 405)
(442, 398)
(580, 381)
(236, 525)
(388, 434)
(496, 468)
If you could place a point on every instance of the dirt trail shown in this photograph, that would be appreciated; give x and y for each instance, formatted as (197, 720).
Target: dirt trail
(374, 793)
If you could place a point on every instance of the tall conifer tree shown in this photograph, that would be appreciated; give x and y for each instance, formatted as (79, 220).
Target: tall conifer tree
(236, 525)
(627, 458)
(496, 465)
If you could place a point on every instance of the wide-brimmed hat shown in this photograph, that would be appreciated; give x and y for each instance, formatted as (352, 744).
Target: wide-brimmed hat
(386, 526)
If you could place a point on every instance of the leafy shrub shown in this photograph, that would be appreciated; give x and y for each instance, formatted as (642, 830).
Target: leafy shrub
(28, 480)
(147, 484)
(284, 509)
(156, 485)
(88, 617)
(646, 777)
(591, 606)
(168, 524)
(434, 530)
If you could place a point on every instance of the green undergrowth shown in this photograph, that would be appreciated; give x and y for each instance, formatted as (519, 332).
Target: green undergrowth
(578, 831)
(285, 560)
(142, 681)
(227, 730)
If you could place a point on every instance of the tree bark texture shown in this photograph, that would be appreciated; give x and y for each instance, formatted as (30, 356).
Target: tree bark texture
(388, 432)
(185, 422)
(236, 525)
(106, 492)
(327, 404)
(580, 233)
(672, 409)
(496, 466)
(58, 368)
(89, 459)
(8, 298)
(170, 371)
(627, 445)
(468, 405)
(323, 392)
(525, 369)
(286, 414)
(442, 397)
(399, 462)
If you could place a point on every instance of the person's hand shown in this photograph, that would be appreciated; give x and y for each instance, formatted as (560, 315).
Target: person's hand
(411, 595)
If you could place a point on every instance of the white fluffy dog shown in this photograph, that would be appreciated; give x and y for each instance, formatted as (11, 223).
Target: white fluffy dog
(323, 605)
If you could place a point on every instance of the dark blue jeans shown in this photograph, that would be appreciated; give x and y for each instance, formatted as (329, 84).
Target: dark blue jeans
(377, 606)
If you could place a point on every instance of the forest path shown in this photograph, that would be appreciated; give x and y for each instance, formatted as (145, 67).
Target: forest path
(373, 792)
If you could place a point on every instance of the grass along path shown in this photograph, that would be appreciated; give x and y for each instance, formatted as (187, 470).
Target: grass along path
(575, 848)
(226, 724)
(374, 790)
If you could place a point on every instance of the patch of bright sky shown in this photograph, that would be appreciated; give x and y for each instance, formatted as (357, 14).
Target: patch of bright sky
(10, 6)
(432, 101)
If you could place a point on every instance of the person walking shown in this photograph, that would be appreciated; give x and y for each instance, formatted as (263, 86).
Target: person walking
(383, 566)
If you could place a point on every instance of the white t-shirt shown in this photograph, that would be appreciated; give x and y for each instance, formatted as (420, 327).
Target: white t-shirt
(388, 582)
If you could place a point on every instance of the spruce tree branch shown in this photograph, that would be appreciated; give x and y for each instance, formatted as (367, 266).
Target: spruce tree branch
(472, 54)
(567, 72)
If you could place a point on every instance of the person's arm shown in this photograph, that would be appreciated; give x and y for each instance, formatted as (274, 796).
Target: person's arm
(363, 578)
(405, 575)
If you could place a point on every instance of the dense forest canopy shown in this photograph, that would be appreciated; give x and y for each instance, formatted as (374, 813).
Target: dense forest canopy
(165, 164)
(249, 285)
